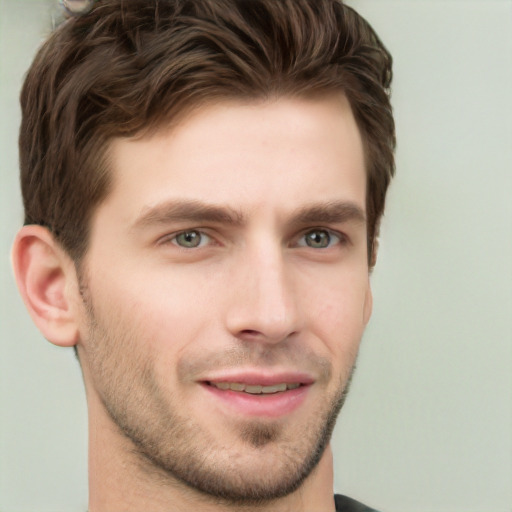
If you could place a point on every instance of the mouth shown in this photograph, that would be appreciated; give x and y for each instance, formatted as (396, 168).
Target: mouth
(255, 389)
(258, 396)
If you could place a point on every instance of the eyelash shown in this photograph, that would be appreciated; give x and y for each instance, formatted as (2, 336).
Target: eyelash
(340, 238)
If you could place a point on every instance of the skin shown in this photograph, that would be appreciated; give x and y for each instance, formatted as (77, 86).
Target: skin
(273, 193)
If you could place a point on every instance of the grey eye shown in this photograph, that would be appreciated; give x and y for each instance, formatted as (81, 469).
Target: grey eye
(318, 239)
(189, 239)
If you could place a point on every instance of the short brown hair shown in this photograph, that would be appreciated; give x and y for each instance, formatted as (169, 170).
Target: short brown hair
(128, 66)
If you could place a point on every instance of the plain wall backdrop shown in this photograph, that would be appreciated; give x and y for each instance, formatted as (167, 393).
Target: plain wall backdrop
(428, 424)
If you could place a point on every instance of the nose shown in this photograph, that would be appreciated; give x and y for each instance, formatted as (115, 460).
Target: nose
(263, 304)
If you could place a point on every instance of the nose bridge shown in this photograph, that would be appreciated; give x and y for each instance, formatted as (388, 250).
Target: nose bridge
(264, 304)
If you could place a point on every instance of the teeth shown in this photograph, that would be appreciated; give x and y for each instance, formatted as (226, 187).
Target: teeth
(274, 389)
(254, 389)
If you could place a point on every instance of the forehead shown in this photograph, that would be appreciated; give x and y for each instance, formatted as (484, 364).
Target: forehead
(253, 155)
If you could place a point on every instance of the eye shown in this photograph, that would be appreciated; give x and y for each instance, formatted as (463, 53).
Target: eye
(319, 239)
(190, 239)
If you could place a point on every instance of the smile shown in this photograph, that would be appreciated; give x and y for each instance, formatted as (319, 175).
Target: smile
(261, 397)
(254, 389)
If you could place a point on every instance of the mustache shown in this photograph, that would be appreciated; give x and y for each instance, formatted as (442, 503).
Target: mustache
(252, 355)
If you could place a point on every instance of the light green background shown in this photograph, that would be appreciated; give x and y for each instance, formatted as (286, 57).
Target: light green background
(428, 424)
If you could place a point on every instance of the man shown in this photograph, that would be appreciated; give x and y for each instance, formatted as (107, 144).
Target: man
(203, 182)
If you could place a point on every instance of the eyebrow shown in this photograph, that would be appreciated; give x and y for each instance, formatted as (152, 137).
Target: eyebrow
(330, 212)
(187, 211)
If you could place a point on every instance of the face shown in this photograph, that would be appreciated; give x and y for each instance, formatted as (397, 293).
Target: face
(226, 292)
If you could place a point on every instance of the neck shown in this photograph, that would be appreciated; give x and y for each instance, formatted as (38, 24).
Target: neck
(121, 480)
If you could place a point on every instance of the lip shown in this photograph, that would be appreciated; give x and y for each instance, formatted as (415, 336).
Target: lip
(273, 405)
(261, 378)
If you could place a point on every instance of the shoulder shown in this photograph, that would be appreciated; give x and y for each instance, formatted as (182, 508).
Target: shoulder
(344, 504)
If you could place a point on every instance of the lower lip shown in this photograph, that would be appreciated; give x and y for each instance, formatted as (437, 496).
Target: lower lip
(270, 405)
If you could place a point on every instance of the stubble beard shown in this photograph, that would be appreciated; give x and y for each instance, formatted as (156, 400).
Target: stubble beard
(169, 448)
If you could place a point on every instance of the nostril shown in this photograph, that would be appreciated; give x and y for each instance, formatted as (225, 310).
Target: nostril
(249, 332)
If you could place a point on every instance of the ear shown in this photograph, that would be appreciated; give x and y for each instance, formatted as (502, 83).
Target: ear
(375, 250)
(46, 278)
(368, 299)
(368, 303)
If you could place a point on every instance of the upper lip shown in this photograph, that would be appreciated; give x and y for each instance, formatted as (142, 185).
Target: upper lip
(260, 378)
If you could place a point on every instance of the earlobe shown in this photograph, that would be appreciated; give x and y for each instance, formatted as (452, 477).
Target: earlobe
(43, 273)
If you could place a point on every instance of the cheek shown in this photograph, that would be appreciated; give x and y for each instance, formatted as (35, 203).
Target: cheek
(162, 311)
(337, 313)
